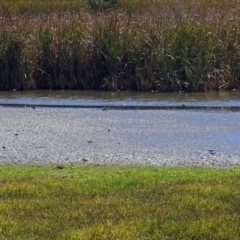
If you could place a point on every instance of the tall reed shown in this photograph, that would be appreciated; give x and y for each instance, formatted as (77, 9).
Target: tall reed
(137, 45)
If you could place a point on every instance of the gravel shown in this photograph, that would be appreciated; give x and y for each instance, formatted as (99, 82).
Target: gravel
(165, 138)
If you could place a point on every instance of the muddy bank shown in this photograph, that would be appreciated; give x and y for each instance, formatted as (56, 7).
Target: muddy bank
(47, 136)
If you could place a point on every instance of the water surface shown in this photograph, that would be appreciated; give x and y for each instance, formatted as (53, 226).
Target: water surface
(96, 98)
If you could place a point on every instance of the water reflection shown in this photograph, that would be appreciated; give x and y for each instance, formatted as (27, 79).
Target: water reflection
(74, 98)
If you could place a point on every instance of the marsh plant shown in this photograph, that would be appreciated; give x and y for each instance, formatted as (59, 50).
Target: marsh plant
(101, 5)
(134, 45)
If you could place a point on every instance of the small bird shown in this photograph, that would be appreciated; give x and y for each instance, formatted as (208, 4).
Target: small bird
(16, 134)
(212, 152)
(84, 160)
(3, 147)
(89, 141)
(109, 130)
(60, 166)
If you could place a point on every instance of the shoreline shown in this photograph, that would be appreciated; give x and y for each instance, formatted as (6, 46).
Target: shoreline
(124, 107)
(164, 138)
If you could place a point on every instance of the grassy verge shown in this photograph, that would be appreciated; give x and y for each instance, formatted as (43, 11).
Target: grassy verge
(119, 203)
(135, 45)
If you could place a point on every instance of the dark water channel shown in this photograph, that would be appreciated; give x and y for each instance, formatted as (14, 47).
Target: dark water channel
(122, 99)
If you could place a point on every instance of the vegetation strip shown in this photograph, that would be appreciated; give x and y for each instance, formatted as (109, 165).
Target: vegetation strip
(71, 202)
(131, 44)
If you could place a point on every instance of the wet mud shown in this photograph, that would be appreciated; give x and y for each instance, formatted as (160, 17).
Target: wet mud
(165, 138)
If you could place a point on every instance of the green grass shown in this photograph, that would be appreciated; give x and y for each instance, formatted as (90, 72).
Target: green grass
(119, 203)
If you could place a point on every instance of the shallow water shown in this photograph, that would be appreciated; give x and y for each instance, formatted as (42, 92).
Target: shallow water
(95, 98)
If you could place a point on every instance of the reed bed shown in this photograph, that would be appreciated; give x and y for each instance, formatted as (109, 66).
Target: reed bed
(135, 45)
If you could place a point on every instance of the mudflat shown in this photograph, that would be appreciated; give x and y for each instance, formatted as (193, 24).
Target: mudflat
(50, 136)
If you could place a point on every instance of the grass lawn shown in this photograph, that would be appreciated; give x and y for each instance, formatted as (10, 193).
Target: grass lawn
(71, 202)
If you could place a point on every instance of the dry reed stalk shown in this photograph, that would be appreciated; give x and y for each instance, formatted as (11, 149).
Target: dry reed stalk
(183, 45)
